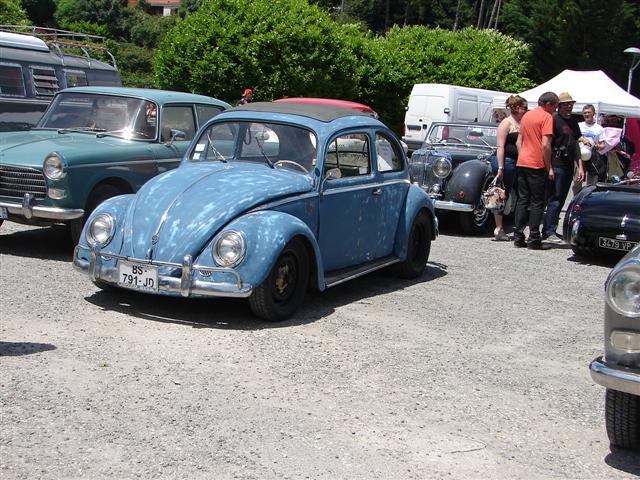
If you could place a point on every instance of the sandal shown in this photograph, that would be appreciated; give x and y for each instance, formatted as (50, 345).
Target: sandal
(500, 236)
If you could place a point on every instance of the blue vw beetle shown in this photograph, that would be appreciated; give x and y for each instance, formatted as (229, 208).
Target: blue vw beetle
(270, 198)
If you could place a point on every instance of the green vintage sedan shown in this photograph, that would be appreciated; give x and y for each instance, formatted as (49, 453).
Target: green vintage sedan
(94, 143)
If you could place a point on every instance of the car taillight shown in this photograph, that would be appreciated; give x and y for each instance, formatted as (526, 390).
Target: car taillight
(577, 207)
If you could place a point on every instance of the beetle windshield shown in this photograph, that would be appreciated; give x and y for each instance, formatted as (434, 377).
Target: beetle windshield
(277, 145)
(469, 135)
(125, 117)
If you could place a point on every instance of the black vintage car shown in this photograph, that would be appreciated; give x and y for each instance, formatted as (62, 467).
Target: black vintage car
(604, 219)
(453, 168)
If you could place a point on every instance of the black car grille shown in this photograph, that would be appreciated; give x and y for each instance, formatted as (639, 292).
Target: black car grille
(16, 181)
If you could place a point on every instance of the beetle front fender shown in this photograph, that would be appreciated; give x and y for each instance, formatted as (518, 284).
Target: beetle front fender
(266, 233)
(118, 208)
(417, 199)
(469, 178)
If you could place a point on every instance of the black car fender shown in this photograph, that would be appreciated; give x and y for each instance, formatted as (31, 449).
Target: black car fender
(469, 178)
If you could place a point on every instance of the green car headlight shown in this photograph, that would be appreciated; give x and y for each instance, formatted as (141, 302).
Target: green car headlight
(54, 166)
(229, 249)
(100, 230)
(623, 291)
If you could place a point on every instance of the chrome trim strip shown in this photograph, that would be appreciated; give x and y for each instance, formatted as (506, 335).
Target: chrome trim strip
(364, 272)
(456, 207)
(115, 164)
(354, 188)
(278, 203)
(185, 285)
(615, 377)
(30, 210)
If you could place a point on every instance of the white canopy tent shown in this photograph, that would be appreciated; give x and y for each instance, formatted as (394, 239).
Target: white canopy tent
(593, 87)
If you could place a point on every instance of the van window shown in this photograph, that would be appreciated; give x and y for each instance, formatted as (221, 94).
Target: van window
(11, 81)
(75, 78)
(467, 110)
(45, 82)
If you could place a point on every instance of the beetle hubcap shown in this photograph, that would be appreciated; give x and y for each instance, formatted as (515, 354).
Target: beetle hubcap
(285, 279)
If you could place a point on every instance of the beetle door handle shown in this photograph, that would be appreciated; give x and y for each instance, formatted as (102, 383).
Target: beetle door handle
(377, 191)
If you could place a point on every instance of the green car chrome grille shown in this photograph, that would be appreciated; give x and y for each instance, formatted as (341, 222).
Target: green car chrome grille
(16, 181)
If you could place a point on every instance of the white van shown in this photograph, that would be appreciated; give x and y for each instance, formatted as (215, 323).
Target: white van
(436, 102)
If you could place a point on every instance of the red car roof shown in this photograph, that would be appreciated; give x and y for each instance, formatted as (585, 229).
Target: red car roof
(332, 102)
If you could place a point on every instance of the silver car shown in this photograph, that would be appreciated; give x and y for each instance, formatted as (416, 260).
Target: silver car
(619, 369)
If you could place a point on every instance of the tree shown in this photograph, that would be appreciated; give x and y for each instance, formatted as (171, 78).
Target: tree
(277, 47)
(11, 13)
(40, 12)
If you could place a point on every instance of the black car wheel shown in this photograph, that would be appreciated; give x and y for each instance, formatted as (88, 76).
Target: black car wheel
(622, 412)
(280, 295)
(418, 248)
(477, 222)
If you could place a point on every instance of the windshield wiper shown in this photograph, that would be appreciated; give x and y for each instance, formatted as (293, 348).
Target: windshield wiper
(81, 129)
(215, 151)
(262, 151)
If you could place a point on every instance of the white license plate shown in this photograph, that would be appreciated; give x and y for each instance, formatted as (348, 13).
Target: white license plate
(624, 245)
(138, 277)
(4, 213)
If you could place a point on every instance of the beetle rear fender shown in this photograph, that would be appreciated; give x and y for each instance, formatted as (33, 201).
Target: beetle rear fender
(417, 200)
(470, 178)
(266, 234)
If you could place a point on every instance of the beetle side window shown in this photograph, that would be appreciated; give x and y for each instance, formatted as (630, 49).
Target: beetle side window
(350, 153)
(11, 81)
(388, 157)
(177, 117)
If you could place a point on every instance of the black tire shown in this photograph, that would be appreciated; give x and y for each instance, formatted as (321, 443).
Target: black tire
(622, 414)
(281, 294)
(99, 195)
(579, 251)
(478, 222)
(418, 248)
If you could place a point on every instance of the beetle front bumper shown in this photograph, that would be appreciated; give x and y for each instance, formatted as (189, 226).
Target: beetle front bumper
(184, 285)
(615, 377)
(453, 206)
(30, 209)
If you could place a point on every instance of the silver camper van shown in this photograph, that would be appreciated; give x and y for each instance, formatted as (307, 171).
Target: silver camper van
(33, 67)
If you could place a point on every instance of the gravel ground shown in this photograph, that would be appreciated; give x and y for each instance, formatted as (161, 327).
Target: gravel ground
(476, 370)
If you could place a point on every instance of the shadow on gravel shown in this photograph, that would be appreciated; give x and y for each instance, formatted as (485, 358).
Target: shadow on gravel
(15, 349)
(45, 243)
(624, 460)
(598, 261)
(234, 314)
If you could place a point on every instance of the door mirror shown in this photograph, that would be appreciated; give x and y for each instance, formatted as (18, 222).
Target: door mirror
(176, 135)
(332, 174)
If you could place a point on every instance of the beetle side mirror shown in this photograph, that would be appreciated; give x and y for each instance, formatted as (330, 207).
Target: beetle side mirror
(332, 174)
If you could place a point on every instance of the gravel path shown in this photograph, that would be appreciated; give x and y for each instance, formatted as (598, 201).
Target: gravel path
(476, 370)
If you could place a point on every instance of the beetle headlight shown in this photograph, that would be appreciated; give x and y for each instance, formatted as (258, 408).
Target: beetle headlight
(441, 167)
(54, 167)
(100, 230)
(623, 291)
(229, 249)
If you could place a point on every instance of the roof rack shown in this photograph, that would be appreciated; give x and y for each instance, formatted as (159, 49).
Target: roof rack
(64, 39)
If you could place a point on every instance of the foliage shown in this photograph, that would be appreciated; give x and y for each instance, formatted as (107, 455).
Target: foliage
(134, 63)
(405, 56)
(277, 47)
(40, 12)
(11, 13)
(150, 29)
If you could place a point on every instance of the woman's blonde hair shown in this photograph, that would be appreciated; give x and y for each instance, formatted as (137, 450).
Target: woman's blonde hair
(515, 101)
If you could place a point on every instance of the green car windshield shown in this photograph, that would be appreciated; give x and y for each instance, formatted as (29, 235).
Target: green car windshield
(124, 117)
(277, 145)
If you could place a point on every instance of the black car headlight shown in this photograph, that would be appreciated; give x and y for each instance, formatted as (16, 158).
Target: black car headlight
(441, 167)
(623, 291)
(54, 166)
(100, 230)
(229, 249)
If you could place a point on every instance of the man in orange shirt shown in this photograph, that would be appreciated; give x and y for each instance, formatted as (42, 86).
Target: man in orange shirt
(533, 169)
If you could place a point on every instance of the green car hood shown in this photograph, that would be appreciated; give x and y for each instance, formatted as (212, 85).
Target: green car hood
(29, 149)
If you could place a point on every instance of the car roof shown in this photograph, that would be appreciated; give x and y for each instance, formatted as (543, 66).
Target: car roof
(328, 101)
(322, 113)
(159, 96)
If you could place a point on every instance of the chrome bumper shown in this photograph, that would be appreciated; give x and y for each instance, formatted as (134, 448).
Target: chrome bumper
(456, 207)
(29, 209)
(185, 285)
(615, 377)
